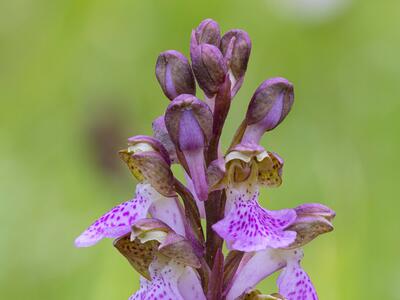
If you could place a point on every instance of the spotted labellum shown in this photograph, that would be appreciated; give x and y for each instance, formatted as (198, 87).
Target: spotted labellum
(172, 232)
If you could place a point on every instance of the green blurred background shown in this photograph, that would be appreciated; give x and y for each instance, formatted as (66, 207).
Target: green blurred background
(77, 78)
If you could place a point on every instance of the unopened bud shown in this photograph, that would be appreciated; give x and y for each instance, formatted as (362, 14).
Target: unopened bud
(209, 67)
(174, 74)
(236, 47)
(268, 107)
(207, 32)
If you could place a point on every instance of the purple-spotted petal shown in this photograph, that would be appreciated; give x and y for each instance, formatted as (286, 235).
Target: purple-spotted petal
(293, 282)
(249, 227)
(119, 220)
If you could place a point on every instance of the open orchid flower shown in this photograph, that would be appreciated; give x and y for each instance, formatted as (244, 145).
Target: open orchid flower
(246, 225)
(312, 220)
(177, 244)
(149, 163)
(164, 259)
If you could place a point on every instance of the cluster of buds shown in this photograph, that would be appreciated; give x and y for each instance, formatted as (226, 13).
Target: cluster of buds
(160, 230)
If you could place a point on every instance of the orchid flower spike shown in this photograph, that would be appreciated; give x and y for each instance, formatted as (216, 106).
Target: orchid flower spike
(312, 220)
(189, 124)
(161, 232)
(149, 163)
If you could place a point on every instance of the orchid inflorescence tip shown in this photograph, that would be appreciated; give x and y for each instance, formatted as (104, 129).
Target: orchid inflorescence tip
(160, 230)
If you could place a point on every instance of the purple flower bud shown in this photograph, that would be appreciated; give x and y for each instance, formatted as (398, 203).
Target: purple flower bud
(268, 107)
(174, 74)
(236, 47)
(189, 124)
(209, 67)
(207, 32)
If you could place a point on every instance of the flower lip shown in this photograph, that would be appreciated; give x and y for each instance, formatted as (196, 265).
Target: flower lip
(174, 74)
